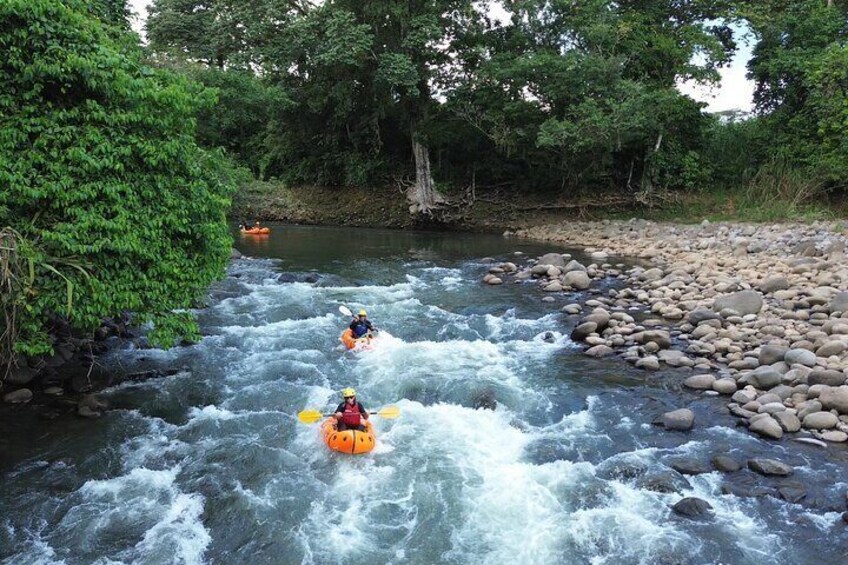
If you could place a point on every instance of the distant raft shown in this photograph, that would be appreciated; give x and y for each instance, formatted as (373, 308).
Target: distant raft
(255, 231)
(353, 343)
(353, 442)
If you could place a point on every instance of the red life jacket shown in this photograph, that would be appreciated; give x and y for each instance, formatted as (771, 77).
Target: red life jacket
(351, 416)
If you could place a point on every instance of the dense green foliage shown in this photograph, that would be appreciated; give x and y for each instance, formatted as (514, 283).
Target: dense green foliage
(563, 96)
(112, 205)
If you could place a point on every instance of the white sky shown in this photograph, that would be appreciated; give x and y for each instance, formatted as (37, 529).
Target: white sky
(735, 92)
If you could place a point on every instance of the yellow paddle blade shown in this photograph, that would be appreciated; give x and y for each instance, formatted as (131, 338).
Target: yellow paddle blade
(309, 416)
(389, 412)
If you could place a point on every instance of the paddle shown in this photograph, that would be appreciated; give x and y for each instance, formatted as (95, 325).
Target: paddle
(312, 416)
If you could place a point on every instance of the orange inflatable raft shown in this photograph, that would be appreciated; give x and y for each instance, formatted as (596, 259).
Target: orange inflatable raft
(354, 343)
(256, 231)
(348, 441)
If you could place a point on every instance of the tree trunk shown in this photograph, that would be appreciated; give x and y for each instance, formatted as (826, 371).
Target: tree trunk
(422, 196)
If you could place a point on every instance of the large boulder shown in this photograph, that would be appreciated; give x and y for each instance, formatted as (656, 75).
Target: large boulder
(660, 337)
(726, 464)
(769, 467)
(800, 357)
(700, 382)
(826, 377)
(766, 427)
(774, 284)
(581, 332)
(699, 315)
(600, 350)
(771, 354)
(820, 421)
(682, 419)
(764, 378)
(835, 398)
(839, 303)
(20, 396)
(577, 279)
(573, 266)
(745, 302)
(554, 259)
(692, 507)
(20, 375)
(788, 421)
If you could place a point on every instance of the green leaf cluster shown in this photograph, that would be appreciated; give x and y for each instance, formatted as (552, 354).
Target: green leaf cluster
(117, 208)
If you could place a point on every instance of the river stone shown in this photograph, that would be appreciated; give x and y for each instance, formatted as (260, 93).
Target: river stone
(726, 464)
(831, 348)
(660, 337)
(834, 436)
(600, 317)
(649, 363)
(599, 351)
(494, 281)
(793, 493)
(653, 274)
(839, 303)
(692, 507)
(682, 419)
(540, 270)
(553, 272)
(766, 427)
(774, 284)
(700, 382)
(20, 375)
(808, 407)
(20, 396)
(740, 412)
(725, 386)
(820, 421)
(665, 482)
(509, 267)
(769, 397)
(577, 279)
(826, 377)
(835, 398)
(573, 266)
(744, 302)
(54, 391)
(788, 421)
(800, 357)
(689, 467)
(769, 467)
(554, 286)
(695, 317)
(770, 354)
(771, 408)
(764, 378)
(554, 259)
(743, 397)
(572, 309)
(583, 331)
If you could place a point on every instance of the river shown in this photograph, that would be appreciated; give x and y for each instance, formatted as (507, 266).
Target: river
(210, 465)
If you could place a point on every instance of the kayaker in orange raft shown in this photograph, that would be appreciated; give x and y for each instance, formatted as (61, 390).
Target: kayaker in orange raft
(350, 414)
(361, 325)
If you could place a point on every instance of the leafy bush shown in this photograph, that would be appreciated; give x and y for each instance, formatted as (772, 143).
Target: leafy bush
(114, 202)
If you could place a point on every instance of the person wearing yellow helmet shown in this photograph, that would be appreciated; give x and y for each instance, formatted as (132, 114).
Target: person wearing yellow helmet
(350, 413)
(361, 325)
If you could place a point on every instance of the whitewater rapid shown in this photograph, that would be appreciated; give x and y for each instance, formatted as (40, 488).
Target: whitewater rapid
(210, 465)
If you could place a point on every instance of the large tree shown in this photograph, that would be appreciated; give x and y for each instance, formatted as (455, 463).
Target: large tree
(107, 203)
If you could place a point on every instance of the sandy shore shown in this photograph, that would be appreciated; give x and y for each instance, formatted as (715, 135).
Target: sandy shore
(755, 312)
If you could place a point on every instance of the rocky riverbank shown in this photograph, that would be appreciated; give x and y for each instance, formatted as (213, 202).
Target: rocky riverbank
(757, 313)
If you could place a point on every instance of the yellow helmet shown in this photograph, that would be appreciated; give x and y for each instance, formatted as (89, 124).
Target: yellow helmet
(363, 313)
(348, 392)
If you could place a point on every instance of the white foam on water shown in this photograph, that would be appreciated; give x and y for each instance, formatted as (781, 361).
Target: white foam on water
(170, 520)
(180, 535)
(209, 413)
